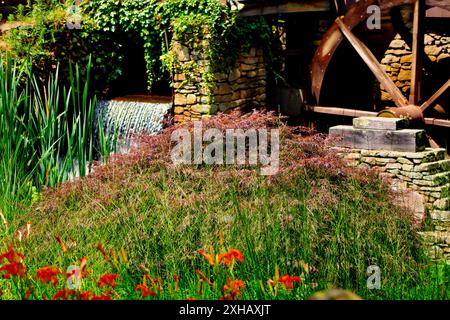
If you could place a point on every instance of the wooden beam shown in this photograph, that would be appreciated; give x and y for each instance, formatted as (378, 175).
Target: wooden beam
(373, 65)
(417, 52)
(290, 7)
(435, 96)
(342, 111)
(361, 113)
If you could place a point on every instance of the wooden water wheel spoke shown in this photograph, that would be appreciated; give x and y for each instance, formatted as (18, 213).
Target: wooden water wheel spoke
(373, 65)
(417, 52)
(412, 107)
(435, 96)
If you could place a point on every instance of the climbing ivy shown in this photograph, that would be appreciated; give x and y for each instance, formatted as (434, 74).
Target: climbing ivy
(108, 25)
(156, 22)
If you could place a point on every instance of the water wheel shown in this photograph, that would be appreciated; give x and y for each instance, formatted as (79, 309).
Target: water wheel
(416, 107)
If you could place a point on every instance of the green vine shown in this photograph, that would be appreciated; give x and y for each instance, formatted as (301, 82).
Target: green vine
(157, 22)
(108, 25)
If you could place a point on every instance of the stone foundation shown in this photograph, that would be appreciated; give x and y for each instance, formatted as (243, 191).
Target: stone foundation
(198, 97)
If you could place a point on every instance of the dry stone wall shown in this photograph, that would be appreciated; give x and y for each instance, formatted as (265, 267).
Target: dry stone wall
(398, 60)
(427, 173)
(200, 94)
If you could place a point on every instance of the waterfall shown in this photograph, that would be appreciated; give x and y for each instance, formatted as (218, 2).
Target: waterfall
(122, 118)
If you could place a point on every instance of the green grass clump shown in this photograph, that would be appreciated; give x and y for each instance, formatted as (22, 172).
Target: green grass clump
(315, 219)
(46, 133)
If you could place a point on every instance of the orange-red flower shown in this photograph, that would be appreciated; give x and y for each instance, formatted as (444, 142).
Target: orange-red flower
(228, 257)
(89, 295)
(233, 289)
(108, 279)
(48, 275)
(234, 285)
(145, 290)
(86, 295)
(64, 294)
(13, 269)
(101, 297)
(209, 257)
(11, 255)
(288, 280)
(176, 279)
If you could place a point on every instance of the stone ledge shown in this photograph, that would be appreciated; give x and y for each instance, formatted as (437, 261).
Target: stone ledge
(405, 140)
(379, 123)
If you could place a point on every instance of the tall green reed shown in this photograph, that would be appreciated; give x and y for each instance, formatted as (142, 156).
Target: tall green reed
(46, 132)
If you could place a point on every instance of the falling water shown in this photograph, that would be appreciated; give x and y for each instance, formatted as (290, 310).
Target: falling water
(123, 118)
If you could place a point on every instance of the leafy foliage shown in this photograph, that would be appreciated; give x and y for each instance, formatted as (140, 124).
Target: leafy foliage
(48, 42)
(107, 25)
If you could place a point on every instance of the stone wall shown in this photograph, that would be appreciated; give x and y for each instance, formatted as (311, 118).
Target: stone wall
(427, 174)
(398, 59)
(198, 97)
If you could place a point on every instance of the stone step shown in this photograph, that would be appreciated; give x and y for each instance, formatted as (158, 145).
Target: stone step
(406, 140)
(379, 123)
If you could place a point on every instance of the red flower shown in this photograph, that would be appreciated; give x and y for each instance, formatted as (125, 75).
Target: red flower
(233, 254)
(13, 269)
(48, 275)
(145, 290)
(64, 294)
(108, 279)
(288, 281)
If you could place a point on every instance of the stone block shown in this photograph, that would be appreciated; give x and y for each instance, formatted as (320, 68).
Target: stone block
(380, 123)
(443, 216)
(178, 110)
(442, 165)
(442, 204)
(406, 140)
(201, 108)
